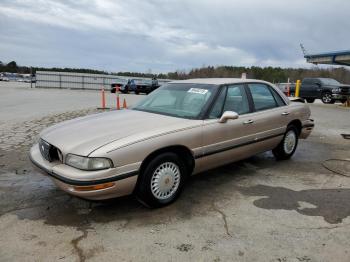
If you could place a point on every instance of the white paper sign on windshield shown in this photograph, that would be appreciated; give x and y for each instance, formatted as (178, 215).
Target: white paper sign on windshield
(198, 91)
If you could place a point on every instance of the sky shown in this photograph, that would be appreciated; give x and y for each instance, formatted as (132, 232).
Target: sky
(167, 35)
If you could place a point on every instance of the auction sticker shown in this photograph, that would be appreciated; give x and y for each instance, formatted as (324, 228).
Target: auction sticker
(198, 91)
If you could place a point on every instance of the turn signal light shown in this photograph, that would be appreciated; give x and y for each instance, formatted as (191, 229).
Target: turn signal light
(94, 187)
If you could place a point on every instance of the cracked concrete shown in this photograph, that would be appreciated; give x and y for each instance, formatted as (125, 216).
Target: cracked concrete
(77, 249)
(223, 216)
(254, 210)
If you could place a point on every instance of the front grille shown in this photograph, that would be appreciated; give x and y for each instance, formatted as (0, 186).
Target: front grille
(345, 90)
(49, 152)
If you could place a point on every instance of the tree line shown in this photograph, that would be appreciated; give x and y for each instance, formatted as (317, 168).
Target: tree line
(271, 74)
(12, 67)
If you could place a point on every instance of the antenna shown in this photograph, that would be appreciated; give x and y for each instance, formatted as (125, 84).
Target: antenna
(303, 49)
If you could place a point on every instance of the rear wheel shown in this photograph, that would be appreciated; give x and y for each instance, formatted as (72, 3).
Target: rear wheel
(327, 98)
(162, 180)
(310, 100)
(288, 145)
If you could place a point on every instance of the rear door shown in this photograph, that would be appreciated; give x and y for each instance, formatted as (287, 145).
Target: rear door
(270, 117)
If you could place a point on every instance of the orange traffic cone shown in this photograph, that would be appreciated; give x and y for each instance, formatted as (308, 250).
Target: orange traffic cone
(124, 104)
(118, 102)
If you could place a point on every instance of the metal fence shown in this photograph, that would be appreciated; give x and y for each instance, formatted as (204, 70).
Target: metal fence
(66, 80)
(49, 79)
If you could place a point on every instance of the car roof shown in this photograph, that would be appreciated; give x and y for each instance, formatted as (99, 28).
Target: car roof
(218, 81)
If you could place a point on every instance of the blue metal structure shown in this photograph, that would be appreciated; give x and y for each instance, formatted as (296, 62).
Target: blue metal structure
(335, 58)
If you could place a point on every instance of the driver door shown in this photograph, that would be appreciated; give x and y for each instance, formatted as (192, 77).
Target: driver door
(223, 141)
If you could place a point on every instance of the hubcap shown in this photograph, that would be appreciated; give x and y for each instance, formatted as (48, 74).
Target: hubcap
(289, 142)
(327, 98)
(165, 180)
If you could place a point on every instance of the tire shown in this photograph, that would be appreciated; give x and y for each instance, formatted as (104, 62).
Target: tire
(343, 101)
(172, 173)
(327, 98)
(285, 150)
(137, 92)
(310, 100)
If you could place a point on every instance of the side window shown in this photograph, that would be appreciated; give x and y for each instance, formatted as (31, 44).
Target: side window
(262, 97)
(236, 100)
(216, 110)
(306, 81)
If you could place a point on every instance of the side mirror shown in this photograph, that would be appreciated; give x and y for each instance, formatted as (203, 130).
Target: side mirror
(228, 115)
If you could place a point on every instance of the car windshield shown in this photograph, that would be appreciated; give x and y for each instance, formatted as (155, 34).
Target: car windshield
(179, 100)
(329, 81)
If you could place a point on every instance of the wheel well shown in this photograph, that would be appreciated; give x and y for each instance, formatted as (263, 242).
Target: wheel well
(183, 152)
(297, 124)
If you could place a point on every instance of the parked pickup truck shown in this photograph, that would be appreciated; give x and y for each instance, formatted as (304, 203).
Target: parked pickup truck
(327, 89)
(136, 85)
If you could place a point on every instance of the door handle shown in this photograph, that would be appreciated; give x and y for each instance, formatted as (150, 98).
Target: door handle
(285, 113)
(248, 122)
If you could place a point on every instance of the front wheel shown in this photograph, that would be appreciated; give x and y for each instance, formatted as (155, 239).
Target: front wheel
(162, 180)
(327, 98)
(288, 145)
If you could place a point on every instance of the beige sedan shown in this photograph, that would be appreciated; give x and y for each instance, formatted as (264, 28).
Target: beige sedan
(182, 128)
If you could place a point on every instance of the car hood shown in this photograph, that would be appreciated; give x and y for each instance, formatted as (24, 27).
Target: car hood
(83, 135)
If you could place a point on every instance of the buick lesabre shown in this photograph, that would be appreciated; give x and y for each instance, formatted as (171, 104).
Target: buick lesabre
(182, 128)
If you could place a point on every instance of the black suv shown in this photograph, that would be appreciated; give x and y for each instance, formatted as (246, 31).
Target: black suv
(327, 89)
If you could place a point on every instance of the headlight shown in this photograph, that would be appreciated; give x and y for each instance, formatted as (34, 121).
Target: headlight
(336, 90)
(88, 163)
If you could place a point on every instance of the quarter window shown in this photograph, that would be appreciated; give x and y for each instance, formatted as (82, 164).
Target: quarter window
(278, 98)
(262, 97)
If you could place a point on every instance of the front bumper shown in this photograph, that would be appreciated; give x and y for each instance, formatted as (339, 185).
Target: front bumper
(307, 128)
(73, 180)
(339, 96)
